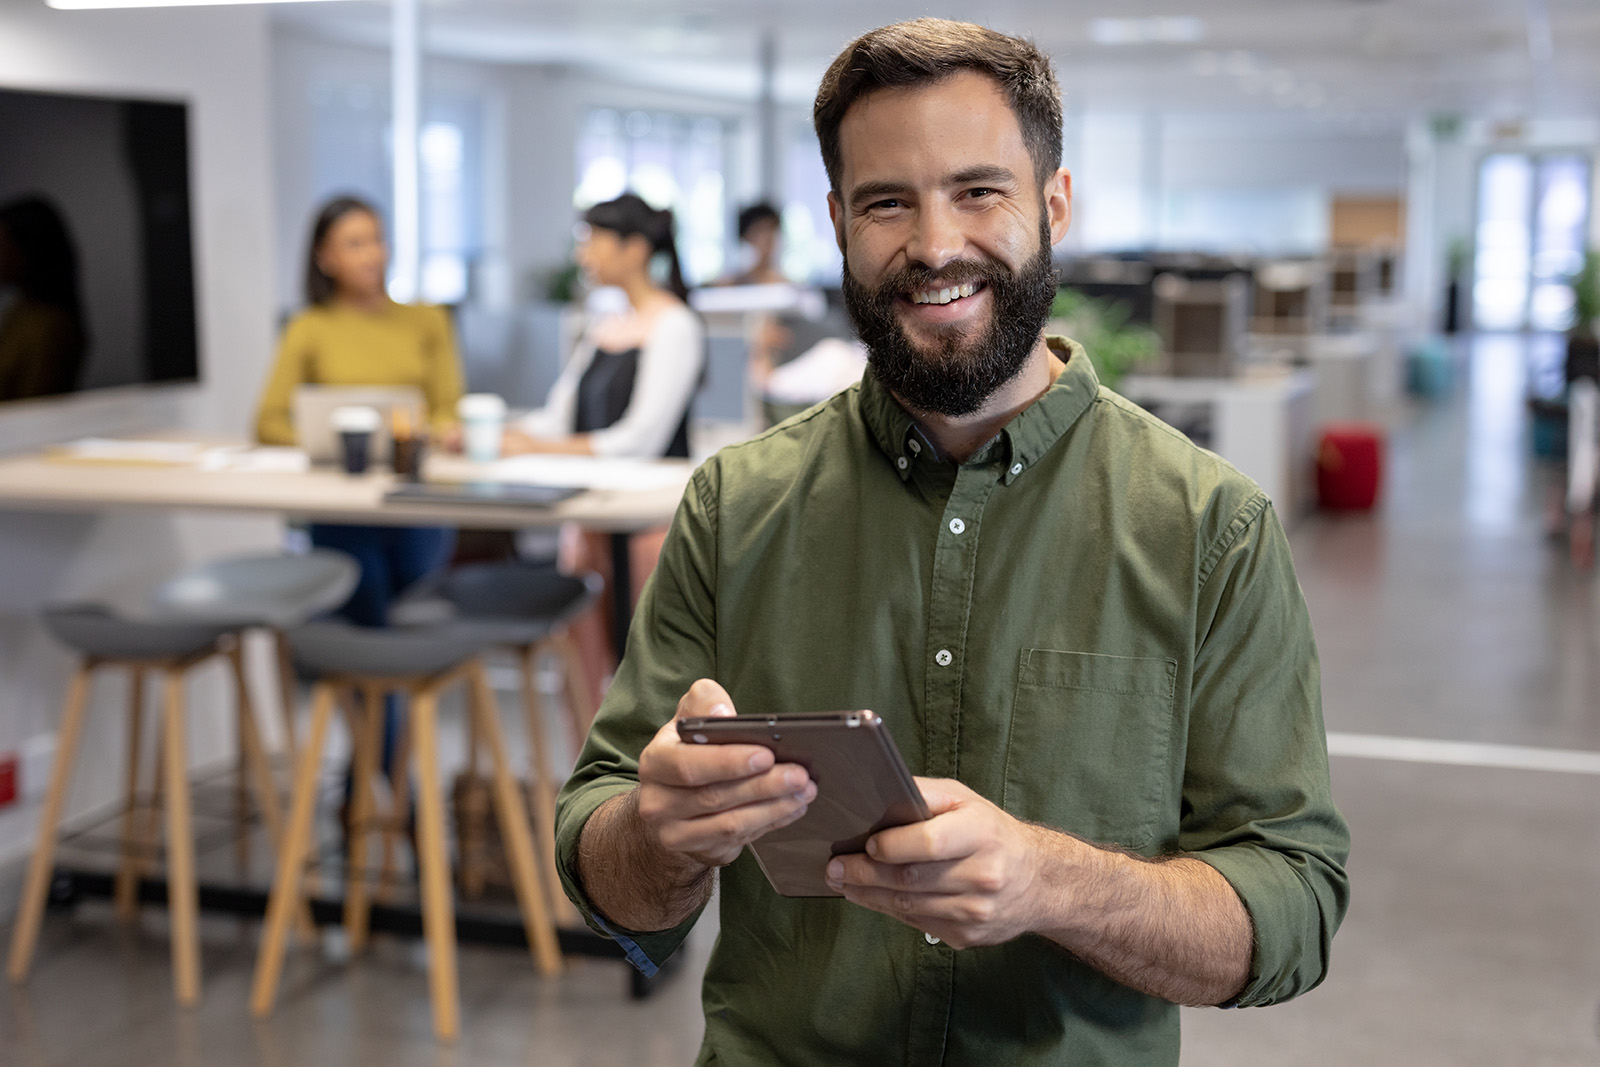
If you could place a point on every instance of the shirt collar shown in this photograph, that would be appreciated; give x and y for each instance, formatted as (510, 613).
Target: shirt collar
(1024, 439)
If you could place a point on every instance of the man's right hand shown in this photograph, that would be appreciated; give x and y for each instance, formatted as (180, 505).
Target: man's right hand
(706, 802)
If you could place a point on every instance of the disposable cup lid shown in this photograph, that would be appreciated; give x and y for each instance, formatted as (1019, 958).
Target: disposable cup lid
(481, 406)
(355, 419)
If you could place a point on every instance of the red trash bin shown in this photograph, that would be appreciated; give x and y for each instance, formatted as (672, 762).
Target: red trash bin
(1349, 466)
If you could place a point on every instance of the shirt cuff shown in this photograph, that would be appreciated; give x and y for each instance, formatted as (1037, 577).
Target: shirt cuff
(1291, 938)
(646, 950)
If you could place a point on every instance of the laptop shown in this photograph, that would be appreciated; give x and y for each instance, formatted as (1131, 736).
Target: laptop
(313, 415)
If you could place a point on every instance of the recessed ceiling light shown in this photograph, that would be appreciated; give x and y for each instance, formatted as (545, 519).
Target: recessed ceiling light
(1166, 29)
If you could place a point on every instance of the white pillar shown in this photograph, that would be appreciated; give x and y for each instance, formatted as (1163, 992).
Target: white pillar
(767, 116)
(405, 91)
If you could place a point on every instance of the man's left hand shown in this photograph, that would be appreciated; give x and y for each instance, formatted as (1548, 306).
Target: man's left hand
(968, 876)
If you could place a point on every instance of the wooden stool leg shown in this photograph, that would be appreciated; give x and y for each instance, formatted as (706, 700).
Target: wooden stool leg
(182, 898)
(126, 894)
(286, 690)
(291, 857)
(367, 740)
(580, 700)
(255, 753)
(37, 887)
(543, 789)
(514, 829)
(399, 804)
(438, 916)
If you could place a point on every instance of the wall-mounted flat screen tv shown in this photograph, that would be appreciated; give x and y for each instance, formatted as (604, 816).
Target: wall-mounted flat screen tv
(96, 263)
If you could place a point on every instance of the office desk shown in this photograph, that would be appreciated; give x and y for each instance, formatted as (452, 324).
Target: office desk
(45, 482)
(39, 482)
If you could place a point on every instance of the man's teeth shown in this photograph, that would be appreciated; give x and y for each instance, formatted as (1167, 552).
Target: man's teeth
(943, 296)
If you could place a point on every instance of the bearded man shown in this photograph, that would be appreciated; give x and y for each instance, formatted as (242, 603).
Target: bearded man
(1084, 633)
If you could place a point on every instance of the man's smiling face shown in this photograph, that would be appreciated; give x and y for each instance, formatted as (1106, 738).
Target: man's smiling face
(947, 239)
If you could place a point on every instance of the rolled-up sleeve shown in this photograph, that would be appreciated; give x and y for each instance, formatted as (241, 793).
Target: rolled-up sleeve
(1258, 803)
(671, 644)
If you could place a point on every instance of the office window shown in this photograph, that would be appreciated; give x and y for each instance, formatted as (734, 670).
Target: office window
(352, 152)
(672, 161)
(810, 254)
(1533, 221)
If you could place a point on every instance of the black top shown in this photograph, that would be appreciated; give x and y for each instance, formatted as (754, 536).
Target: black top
(606, 389)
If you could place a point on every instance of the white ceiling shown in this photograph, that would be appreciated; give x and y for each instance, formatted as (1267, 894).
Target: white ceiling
(1370, 61)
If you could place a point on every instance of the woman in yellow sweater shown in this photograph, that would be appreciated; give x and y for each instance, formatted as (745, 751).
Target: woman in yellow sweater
(351, 333)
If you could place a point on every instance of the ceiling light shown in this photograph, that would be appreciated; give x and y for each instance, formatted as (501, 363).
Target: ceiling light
(1167, 29)
(81, 5)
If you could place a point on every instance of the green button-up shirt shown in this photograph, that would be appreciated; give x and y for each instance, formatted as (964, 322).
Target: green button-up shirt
(1091, 622)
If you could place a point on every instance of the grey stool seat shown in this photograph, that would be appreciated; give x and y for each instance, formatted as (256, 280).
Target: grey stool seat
(337, 647)
(518, 603)
(100, 632)
(274, 591)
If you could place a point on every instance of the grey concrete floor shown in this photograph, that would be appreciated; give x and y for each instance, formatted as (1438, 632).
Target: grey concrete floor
(1473, 938)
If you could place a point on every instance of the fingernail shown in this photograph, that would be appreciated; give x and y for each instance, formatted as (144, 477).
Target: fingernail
(720, 711)
(757, 760)
(872, 846)
(835, 874)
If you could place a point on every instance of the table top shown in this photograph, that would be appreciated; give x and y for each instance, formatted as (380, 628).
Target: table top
(43, 482)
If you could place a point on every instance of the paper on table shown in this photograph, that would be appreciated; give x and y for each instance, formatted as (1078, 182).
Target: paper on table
(584, 472)
(112, 450)
(206, 457)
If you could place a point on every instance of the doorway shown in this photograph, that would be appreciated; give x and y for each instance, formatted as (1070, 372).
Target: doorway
(1532, 228)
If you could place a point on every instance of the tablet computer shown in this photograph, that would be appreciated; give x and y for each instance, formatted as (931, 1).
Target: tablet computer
(863, 786)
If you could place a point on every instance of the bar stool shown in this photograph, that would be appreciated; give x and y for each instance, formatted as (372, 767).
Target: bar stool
(171, 649)
(421, 662)
(526, 607)
(270, 592)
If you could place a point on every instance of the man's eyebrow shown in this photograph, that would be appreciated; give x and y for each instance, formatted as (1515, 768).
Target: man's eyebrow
(992, 173)
(981, 173)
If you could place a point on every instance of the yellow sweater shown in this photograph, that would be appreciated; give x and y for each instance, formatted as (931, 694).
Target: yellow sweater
(403, 344)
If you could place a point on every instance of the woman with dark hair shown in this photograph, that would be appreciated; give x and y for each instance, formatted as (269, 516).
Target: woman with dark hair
(42, 334)
(352, 334)
(627, 388)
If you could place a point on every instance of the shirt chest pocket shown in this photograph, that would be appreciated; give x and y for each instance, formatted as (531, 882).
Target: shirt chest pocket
(1089, 749)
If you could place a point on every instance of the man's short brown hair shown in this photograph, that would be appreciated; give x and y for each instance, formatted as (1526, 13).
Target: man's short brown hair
(924, 51)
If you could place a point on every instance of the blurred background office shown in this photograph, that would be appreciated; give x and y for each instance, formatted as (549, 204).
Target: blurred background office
(1346, 243)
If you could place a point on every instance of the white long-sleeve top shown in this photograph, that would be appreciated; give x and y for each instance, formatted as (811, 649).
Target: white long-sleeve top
(670, 362)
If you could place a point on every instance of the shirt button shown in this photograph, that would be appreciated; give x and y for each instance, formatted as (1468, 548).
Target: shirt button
(930, 939)
(902, 463)
(957, 526)
(1016, 468)
(943, 657)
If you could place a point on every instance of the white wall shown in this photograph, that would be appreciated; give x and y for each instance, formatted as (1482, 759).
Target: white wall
(1266, 176)
(217, 60)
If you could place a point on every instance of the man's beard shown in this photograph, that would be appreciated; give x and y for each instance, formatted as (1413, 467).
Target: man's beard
(957, 375)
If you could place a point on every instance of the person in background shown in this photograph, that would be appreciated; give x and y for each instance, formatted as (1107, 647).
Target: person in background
(760, 227)
(42, 333)
(352, 334)
(626, 391)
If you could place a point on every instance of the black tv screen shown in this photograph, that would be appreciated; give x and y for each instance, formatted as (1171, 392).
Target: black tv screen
(96, 263)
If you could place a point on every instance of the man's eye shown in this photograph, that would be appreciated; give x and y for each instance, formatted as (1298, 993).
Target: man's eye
(878, 205)
(976, 194)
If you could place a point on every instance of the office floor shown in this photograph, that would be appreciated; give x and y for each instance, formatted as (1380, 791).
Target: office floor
(1473, 938)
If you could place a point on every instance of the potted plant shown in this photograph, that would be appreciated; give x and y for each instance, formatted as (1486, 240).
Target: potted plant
(1102, 328)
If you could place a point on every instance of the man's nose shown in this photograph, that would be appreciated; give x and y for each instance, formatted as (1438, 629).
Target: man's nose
(937, 239)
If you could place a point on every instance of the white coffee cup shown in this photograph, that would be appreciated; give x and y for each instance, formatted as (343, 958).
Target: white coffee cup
(483, 417)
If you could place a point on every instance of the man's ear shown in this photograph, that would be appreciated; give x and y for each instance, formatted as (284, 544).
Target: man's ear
(1058, 204)
(836, 216)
